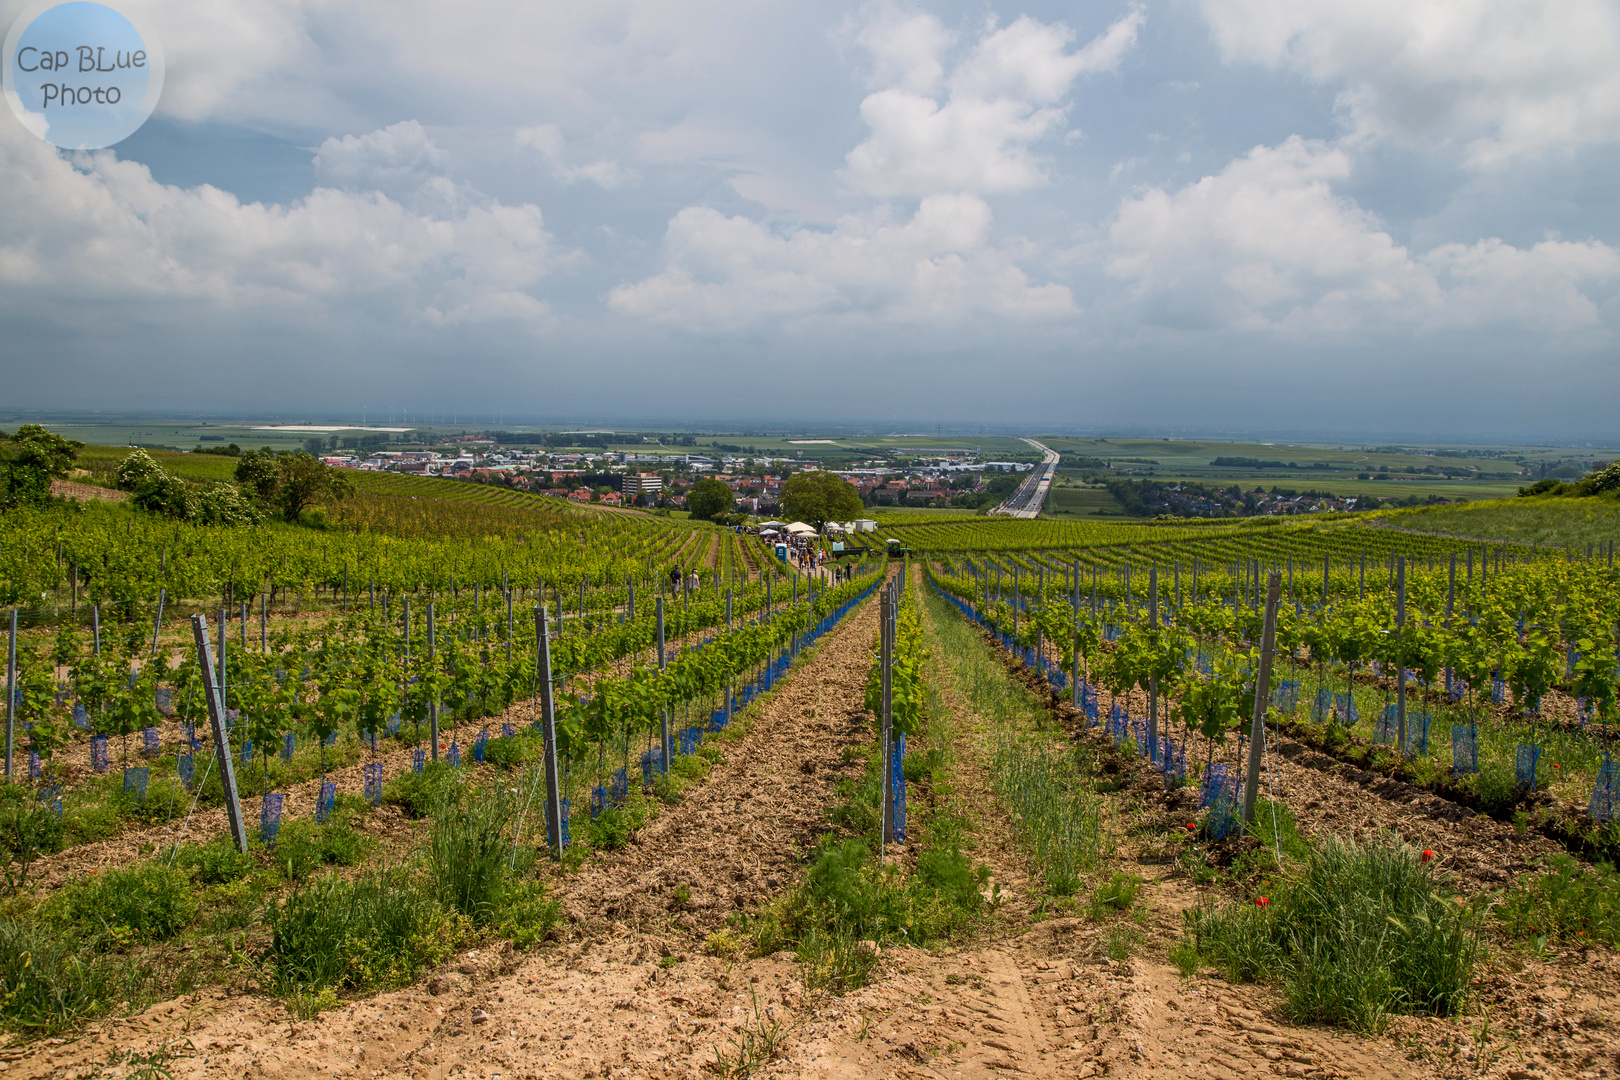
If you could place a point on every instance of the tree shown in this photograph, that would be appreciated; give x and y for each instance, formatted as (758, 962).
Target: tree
(29, 461)
(303, 481)
(289, 483)
(256, 471)
(709, 498)
(153, 488)
(816, 498)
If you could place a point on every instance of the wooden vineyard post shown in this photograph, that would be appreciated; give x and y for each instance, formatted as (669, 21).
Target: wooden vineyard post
(508, 593)
(223, 683)
(157, 623)
(1400, 653)
(548, 728)
(244, 615)
(11, 692)
(1451, 600)
(1153, 685)
(1074, 675)
(433, 703)
(1262, 698)
(663, 714)
(95, 628)
(886, 670)
(215, 693)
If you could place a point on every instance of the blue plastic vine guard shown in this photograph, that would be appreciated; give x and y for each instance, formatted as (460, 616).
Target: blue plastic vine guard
(455, 755)
(1465, 749)
(1524, 766)
(374, 783)
(325, 801)
(479, 745)
(186, 769)
(599, 801)
(1601, 808)
(899, 759)
(135, 782)
(151, 746)
(418, 759)
(270, 818)
(619, 787)
(1384, 730)
(98, 753)
(289, 743)
(1417, 734)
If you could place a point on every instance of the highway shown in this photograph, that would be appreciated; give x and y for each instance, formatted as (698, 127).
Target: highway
(1027, 501)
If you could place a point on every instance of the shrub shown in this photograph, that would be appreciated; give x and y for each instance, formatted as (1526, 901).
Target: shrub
(1356, 933)
(505, 752)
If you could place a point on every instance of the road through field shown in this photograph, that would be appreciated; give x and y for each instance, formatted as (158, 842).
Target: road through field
(1027, 501)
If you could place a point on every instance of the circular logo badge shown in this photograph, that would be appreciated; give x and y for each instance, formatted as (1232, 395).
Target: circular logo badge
(81, 75)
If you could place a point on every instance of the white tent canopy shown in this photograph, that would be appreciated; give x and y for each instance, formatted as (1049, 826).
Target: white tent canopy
(770, 525)
(799, 528)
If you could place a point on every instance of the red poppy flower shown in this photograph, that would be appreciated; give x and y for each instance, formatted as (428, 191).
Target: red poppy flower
(1262, 901)
(1427, 855)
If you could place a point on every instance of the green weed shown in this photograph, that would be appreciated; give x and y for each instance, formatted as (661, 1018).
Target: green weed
(375, 932)
(148, 902)
(1354, 934)
(1566, 903)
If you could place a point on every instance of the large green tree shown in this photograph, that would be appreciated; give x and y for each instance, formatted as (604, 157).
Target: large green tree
(289, 484)
(816, 498)
(709, 498)
(29, 461)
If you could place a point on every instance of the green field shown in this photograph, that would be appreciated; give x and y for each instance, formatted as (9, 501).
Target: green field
(1567, 523)
(1065, 502)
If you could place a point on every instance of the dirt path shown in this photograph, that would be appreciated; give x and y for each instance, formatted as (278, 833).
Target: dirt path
(1041, 996)
(736, 839)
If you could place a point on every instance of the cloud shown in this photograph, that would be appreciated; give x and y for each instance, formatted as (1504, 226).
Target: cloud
(1267, 245)
(939, 267)
(971, 129)
(548, 140)
(95, 228)
(1503, 79)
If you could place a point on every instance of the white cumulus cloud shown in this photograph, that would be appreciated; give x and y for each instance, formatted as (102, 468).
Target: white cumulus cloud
(973, 128)
(1267, 244)
(1500, 78)
(938, 267)
(98, 227)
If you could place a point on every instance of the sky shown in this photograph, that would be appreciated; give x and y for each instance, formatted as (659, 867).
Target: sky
(1184, 217)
